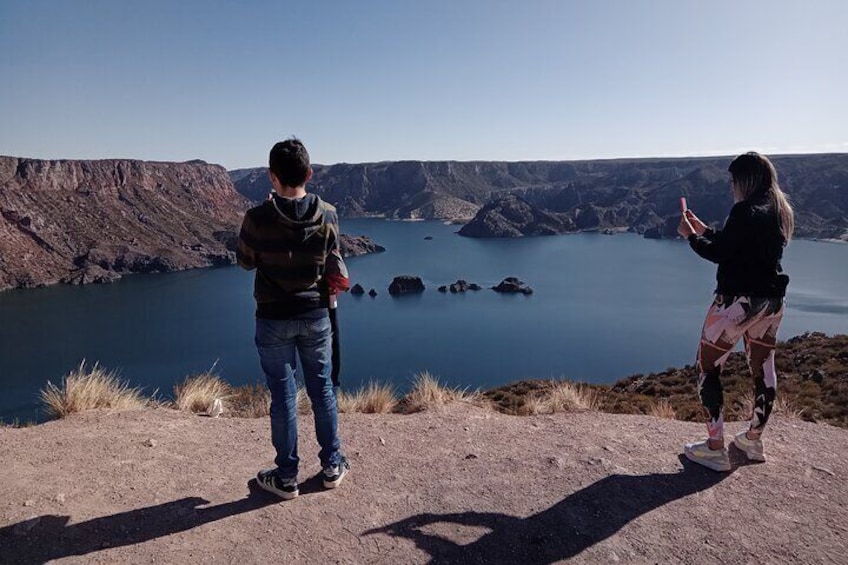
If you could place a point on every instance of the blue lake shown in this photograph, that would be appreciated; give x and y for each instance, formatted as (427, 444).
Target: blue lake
(604, 307)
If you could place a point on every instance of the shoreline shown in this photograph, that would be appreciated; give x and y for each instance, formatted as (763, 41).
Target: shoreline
(598, 231)
(812, 386)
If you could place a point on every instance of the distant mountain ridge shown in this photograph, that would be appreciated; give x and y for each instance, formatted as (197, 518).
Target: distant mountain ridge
(80, 222)
(639, 195)
(92, 221)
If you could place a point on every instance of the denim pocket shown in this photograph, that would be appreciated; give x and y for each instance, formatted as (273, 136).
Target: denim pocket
(320, 325)
(271, 333)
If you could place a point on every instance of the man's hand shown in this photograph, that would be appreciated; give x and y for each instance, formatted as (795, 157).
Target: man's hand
(697, 225)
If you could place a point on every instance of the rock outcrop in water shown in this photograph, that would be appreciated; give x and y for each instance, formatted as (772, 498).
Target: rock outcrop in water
(461, 285)
(355, 245)
(512, 285)
(512, 216)
(406, 284)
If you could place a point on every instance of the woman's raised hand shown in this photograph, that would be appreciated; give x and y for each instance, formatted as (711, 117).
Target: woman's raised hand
(698, 226)
(685, 229)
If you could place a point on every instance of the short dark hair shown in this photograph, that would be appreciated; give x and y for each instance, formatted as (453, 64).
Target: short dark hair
(289, 161)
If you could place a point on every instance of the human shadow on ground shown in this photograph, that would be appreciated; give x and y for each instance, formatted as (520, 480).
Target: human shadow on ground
(564, 530)
(49, 537)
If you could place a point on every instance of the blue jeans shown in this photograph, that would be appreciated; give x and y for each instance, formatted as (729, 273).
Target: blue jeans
(279, 343)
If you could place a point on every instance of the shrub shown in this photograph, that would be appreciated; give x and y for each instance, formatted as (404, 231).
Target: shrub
(532, 406)
(16, 423)
(197, 393)
(250, 401)
(304, 404)
(428, 394)
(84, 389)
(788, 408)
(373, 399)
(566, 396)
(663, 409)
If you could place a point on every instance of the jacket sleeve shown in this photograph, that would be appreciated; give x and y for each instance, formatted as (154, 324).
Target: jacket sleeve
(720, 245)
(245, 254)
(335, 271)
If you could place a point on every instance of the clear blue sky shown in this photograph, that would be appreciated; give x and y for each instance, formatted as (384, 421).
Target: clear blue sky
(411, 79)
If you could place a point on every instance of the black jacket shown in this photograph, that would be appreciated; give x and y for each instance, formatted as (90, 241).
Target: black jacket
(294, 245)
(748, 250)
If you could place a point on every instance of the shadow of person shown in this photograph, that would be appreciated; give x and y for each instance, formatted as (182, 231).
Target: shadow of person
(49, 537)
(564, 530)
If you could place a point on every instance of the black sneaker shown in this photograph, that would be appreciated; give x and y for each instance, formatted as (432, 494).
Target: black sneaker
(271, 481)
(333, 475)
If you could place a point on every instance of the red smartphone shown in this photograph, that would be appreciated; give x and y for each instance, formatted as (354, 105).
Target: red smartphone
(682, 204)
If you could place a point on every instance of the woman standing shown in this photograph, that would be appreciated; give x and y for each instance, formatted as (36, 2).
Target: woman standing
(748, 300)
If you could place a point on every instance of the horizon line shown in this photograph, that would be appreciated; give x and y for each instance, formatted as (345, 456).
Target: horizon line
(707, 155)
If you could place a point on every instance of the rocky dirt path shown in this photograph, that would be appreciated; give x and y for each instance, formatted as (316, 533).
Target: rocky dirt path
(464, 485)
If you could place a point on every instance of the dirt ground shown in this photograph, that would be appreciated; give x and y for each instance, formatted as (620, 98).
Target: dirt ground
(464, 485)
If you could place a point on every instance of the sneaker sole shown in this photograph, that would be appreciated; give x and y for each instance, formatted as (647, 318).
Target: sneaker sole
(332, 484)
(715, 466)
(759, 457)
(337, 482)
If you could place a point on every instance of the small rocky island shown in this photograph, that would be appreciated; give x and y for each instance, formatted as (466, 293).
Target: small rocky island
(460, 285)
(356, 245)
(406, 284)
(512, 285)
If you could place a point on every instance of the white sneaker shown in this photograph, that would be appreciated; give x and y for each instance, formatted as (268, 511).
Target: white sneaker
(752, 448)
(715, 459)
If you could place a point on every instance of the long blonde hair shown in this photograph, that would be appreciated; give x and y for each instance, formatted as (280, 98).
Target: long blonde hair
(752, 174)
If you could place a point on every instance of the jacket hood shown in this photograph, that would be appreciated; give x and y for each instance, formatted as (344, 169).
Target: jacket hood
(301, 215)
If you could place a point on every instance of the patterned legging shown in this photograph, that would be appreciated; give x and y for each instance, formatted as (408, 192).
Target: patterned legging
(756, 320)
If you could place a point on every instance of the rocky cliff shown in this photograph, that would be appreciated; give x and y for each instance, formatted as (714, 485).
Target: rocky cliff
(512, 216)
(402, 189)
(88, 221)
(641, 195)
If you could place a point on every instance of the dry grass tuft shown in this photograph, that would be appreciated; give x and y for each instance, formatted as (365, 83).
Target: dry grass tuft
(250, 401)
(663, 409)
(197, 393)
(428, 394)
(373, 399)
(304, 404)
(743, 407)
(566, 396)
(788, 408)
(84, 389)
(532, 406)
(17, 423)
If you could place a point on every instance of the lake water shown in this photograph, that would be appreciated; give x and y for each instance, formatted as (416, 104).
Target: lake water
(604, 307)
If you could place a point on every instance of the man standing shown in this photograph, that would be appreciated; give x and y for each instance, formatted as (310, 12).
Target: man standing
(292, 240)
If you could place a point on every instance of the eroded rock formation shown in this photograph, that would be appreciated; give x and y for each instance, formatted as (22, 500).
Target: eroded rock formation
(355, 245)
(93, 221)
(512, 216)
(406, 284)
(605, 196)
